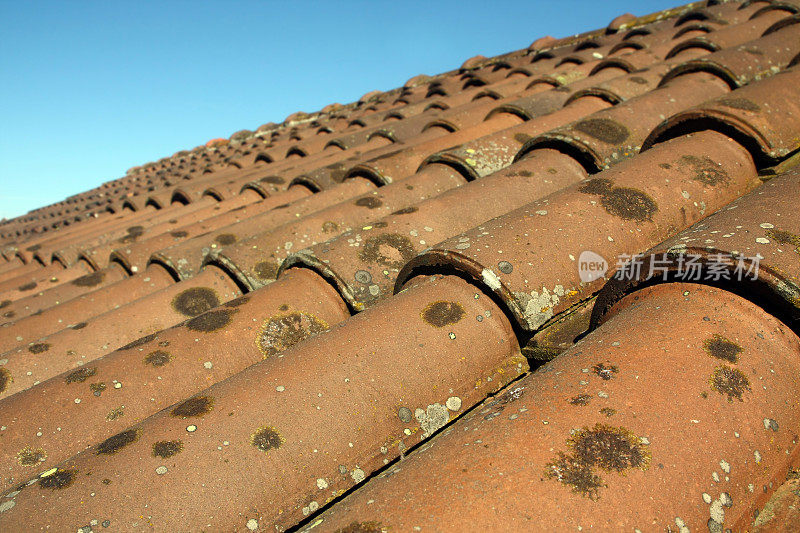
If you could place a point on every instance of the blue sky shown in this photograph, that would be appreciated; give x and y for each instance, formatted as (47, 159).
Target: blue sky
(90, 89)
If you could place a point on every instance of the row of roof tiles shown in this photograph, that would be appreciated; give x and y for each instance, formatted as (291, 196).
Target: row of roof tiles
(380, 302)
(691, 22)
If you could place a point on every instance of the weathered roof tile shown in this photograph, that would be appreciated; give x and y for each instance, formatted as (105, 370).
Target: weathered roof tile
(435, 274)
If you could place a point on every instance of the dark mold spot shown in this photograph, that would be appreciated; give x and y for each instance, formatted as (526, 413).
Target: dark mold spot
(134, 232)
(370, 202)
(281, 332)
(266, 438)
(117, 412)
(79, 325)
(523, 173)
(362, 527)
(784, 237)
(197, 406)
(275, 180)
(605, 372)
(580, 399)
(440, 314)
(404, 211)
(5, 303)
(60, 479)
(195, 301)
(140, 341)
(705, 170)
(30, 457)
(721, 348)
(97, 388)
(330, 227)
(180, 234)
(638, 79)
(388, 249)
(624, 202)
(225, 239)
(27, 287)
(33, 248)
(609, 448)
(39, 347)
(608, 411)
(80, 375)
(604, 130)
(629, 204)
(739, 103)
(665, 166)
(89, 280)
(5, 379)
(597, 186)
(210, 321)
(266, 270)
(9, 314)
(729, 381)
(236, 302)
(338, 172)
(577, 475)
(114, 444)
(167, 448)
(522, 138)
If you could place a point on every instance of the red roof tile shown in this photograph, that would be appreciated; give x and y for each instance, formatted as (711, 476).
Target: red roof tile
(435, 305)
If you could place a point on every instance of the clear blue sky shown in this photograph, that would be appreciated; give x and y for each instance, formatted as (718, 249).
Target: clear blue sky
(89, 89)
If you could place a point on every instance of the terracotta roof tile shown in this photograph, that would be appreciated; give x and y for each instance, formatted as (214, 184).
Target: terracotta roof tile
(666, 429)
(405, 311)
(763, 224)
(367, 274)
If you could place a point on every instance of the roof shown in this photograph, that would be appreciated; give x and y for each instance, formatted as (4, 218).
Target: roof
(553, 289)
